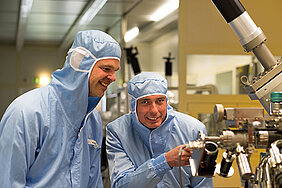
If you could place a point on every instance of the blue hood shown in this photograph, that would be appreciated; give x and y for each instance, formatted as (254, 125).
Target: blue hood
(147, 84)
(70, 83)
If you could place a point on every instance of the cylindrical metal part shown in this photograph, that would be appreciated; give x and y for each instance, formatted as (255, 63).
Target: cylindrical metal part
(218, 112)
(239, 20)
(229, 9)
(212, 138)
(274, 152)
(259, 174)
(267, 178)
(245, 28)
(226, 163)
(208, 160)
(264, 56)
(229, 139)
(263, 138)
(244, 166)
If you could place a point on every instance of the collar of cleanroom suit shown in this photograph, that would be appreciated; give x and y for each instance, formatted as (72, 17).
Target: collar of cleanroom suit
(52, 136)
(136, 154)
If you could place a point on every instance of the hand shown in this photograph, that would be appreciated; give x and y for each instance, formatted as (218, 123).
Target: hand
(172, 156)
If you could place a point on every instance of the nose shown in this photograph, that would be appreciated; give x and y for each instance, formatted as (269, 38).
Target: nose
(112, 76)
(154, 108)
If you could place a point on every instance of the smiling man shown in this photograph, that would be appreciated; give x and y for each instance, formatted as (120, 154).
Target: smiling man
(151, 110)
(143, 146)
(102, 75)
(52, 136)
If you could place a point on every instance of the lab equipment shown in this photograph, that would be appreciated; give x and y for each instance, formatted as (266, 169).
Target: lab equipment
(249, 128)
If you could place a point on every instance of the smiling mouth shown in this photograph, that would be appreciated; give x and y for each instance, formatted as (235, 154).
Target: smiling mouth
(152, 119)
(104, 84)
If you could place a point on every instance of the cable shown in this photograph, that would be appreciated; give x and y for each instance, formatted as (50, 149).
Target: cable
(179, 165)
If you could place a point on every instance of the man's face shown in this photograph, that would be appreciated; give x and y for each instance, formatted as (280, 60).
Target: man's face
(151, 110)
(102, 75)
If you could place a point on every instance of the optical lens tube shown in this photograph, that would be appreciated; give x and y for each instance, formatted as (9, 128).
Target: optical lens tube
(208, 161)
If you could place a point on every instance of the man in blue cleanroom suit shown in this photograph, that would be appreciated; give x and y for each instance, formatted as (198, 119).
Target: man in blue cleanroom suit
(143, 146)
(52, 136)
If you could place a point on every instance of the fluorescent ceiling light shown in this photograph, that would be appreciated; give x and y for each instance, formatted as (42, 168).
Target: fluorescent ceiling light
(26, 7)
(165, 10)
(131, 34)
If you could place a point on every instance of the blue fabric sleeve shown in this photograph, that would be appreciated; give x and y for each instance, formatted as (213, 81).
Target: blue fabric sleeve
(160, 165)
(201, 182)
(14, 150)
(123, 172)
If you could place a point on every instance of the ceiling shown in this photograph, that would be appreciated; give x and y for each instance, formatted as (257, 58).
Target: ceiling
(55, 22)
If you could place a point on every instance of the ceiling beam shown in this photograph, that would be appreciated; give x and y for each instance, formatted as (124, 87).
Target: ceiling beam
(86, 16)
(25, 7)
